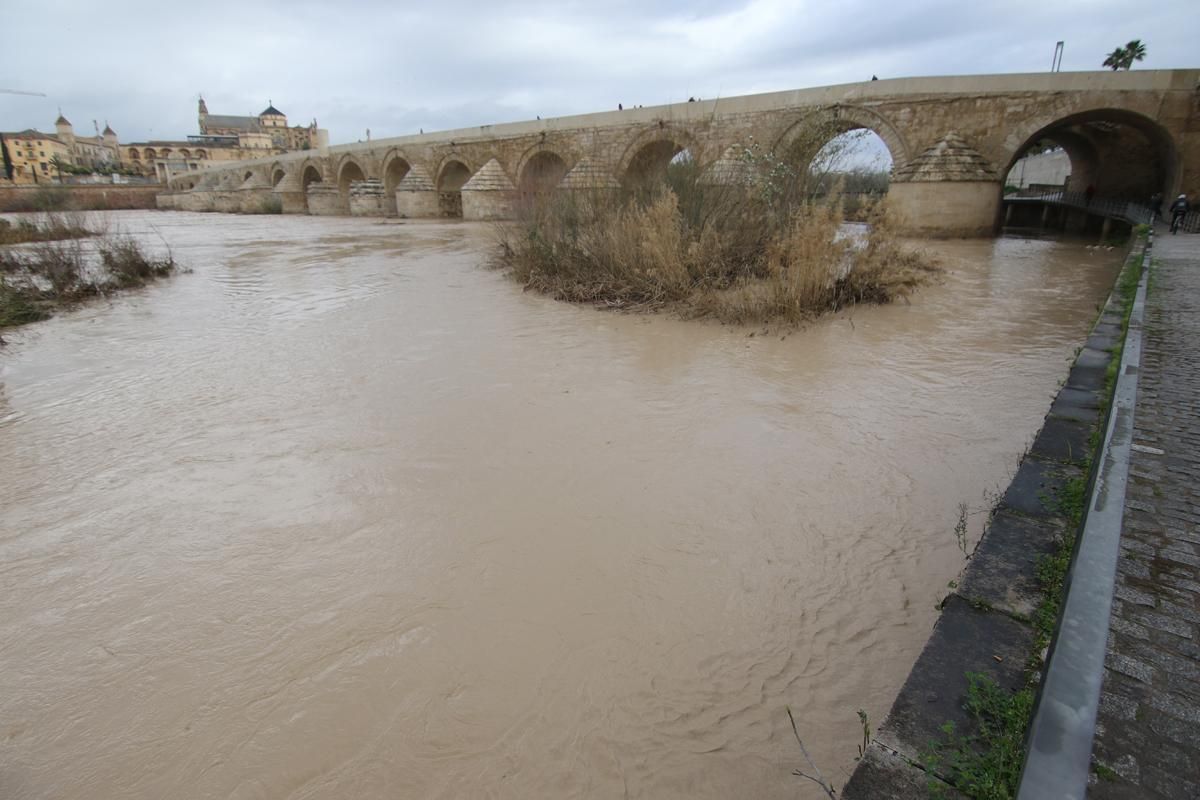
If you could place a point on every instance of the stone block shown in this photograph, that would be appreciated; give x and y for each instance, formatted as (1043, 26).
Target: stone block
(965, 639)
(417, 204)
(946, 209)
(1001, 572)
(488, 205)
(291, 202)
(1036, 486)
(880, 773)
(1066, 435)
(367, 199)
(324, 200)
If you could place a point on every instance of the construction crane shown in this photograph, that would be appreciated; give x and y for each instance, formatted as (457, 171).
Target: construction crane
(18, 91)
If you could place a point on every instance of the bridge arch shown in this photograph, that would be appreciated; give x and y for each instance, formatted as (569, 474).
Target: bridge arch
(349, 171)
(452, 173)
(1118, 153)
(310, 172)
(648, 154)
(803, 138)
(395, 166)
(278, 173)
(540, 170)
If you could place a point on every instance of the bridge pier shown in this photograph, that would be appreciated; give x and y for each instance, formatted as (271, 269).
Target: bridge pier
(367, 199)
(948, 191)
(416, 196)
(489, 194)
(324, 200)
(291, 202)
(947, 209)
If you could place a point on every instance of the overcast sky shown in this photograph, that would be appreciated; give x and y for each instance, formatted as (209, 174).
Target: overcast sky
(395, 66)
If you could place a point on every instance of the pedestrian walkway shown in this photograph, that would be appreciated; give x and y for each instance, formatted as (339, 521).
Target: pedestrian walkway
(1146, 743)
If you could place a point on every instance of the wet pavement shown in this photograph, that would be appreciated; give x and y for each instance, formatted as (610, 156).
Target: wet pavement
(1146, 744)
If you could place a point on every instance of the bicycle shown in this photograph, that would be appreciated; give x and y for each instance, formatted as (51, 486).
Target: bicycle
(1176, 222)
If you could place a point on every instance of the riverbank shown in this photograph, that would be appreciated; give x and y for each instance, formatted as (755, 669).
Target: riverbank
(78, 197)
(959, 722)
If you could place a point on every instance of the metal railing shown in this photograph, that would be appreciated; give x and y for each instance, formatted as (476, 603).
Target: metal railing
(1127, 210)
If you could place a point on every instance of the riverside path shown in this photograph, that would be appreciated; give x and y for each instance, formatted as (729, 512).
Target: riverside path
(1145, 742)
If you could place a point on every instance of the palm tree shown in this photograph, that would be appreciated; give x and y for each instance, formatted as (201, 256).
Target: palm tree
(1123, 57)
(1134, 51)
(58, 162)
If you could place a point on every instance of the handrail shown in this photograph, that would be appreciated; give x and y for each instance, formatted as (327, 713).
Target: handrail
(1127, 210)
(1059, 746)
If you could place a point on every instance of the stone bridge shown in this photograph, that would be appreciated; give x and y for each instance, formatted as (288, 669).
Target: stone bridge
(952, 141)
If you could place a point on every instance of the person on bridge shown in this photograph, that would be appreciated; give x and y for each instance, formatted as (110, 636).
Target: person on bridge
(1156, 204)
(1179, 210)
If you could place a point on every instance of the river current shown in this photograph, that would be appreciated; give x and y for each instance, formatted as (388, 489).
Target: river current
(343, 512)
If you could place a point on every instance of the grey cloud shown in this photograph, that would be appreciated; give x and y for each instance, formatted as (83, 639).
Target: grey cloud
(396, 67)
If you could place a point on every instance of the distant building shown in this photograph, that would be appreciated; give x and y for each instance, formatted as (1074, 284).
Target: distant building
(221, 138)
(33, 153)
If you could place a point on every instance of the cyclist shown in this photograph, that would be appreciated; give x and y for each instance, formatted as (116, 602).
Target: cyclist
(1179, 210)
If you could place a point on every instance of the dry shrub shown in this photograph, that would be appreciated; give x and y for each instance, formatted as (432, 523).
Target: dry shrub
(759, 250)
(128, 265)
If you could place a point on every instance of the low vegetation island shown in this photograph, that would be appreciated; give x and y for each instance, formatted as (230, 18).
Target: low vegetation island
(751, 238)
(57, 260)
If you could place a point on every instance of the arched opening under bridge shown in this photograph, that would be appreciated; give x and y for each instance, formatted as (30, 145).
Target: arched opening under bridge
(1089, 166)
(348, 174)
(834, 155)
(453, 175)
(652, 161)
(541, 174)
(309, 176)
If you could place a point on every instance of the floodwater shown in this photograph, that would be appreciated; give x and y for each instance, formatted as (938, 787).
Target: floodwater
(344, 513)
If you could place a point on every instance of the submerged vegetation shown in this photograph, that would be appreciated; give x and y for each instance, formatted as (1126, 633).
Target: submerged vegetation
(65, 263)
(752, 237)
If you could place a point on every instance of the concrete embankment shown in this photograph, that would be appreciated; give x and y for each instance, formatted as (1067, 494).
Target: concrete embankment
(988, 624)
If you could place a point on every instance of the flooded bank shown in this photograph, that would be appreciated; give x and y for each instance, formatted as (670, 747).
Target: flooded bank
(343, 513)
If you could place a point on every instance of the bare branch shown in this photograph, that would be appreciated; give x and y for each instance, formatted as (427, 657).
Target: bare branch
(820, 779)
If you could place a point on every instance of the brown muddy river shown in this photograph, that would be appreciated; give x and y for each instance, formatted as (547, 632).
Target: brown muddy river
(344, 514)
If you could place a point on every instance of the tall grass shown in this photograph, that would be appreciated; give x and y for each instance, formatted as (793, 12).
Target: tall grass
(760, 247)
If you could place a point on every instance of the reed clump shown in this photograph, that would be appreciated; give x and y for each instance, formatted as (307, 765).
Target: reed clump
(51, 273)
(751, 244)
